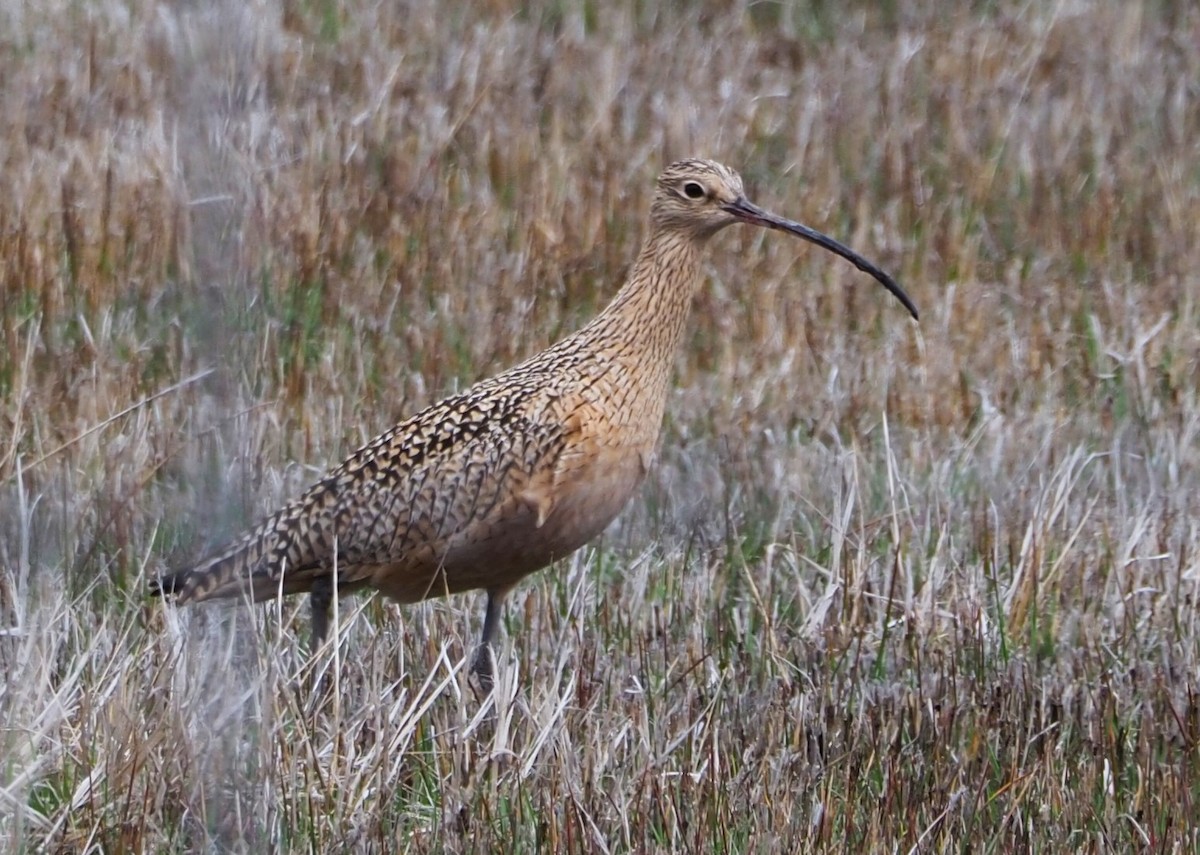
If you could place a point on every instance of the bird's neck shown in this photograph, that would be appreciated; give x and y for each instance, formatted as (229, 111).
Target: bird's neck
(643, 325)
(629, 348)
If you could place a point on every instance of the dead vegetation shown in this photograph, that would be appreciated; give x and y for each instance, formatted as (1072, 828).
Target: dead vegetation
(891, 588)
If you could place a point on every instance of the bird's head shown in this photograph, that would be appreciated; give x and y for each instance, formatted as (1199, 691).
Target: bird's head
(692, 195)
(697, 198)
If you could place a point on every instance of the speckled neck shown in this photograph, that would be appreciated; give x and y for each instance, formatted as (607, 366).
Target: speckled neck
(643, 325)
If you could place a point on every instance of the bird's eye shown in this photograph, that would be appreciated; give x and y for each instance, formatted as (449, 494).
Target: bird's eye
(693, 190)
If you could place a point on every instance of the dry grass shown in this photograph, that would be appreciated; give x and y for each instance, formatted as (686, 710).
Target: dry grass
(891, 588)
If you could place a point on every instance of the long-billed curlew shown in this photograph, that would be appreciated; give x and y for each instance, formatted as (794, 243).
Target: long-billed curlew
(485, 487)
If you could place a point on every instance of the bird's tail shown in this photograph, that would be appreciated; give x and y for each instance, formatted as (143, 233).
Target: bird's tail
(262, 563)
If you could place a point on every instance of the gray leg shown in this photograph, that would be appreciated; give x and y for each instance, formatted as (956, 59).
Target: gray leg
(320, 599)
(484, 656)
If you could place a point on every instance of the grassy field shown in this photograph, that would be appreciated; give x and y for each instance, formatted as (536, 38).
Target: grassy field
(893, 587)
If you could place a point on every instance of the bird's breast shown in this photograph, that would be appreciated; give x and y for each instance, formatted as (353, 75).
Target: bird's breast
(591, 488)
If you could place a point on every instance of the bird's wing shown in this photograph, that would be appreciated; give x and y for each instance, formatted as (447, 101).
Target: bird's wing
(425, 481)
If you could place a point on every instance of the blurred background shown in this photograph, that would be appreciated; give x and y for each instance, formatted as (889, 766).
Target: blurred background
(892, 584)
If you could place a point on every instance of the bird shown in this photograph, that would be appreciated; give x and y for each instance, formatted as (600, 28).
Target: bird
(518, 471)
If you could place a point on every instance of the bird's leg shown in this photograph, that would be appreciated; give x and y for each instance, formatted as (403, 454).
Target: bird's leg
(485, 655)
(320, 598)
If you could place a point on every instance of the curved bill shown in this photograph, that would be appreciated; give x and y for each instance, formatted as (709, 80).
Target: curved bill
(748, 212)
